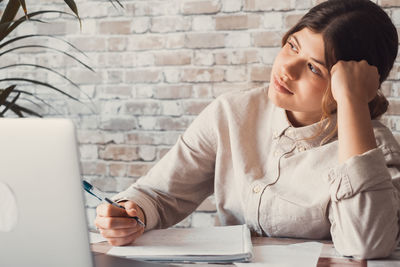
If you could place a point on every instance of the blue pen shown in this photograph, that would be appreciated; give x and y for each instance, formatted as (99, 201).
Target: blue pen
(99, 195)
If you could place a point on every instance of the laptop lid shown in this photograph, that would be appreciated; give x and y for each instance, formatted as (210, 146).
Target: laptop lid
(42, 216)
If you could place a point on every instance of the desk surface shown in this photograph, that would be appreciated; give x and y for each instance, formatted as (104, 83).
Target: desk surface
(328, 256)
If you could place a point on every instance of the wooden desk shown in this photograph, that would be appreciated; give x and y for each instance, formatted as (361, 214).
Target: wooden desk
(328, 257)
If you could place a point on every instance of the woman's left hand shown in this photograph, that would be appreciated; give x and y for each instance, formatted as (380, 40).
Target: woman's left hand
(355, 81)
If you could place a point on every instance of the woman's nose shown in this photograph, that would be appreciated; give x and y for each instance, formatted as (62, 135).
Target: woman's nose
(290, 70)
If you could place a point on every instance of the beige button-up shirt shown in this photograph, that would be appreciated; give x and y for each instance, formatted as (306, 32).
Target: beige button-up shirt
(274, 178)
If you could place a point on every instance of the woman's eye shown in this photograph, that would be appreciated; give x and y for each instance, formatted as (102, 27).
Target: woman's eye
(292, 46)
(311, 67)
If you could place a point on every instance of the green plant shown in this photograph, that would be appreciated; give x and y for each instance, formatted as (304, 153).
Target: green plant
(10, 94)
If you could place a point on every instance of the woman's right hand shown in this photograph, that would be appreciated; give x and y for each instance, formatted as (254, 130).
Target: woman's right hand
(116, 225)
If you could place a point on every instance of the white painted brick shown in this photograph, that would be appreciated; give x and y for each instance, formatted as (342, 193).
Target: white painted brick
(172, 75)
(174, 41)
(304, 4)
(203, 23)
(88, 26)
(203, 58)
(110, 107)
(170, 24)
(396, 17)
(147, 123)
(28, 28)
(273, 20)
(238, 74)
(144, 59)
(88, 122)
(129, 59)
(140, 24)
(87, 10)
(117, 123)
(269, 54)
(88, 152)
(231, 5)
(117, 138)
(171, 108)
(165, 8)
(147, 153)
(87, 92)
(144, 91)
(238, 39)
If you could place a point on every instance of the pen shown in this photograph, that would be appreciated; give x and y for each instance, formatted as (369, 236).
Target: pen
(100, 195)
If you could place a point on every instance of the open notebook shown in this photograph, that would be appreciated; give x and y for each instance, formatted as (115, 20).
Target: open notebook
(221, 244)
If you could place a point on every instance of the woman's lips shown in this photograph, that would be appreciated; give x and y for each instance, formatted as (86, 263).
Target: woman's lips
(280, 87)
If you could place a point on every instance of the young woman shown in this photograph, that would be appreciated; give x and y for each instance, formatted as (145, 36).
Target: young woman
(303, 158)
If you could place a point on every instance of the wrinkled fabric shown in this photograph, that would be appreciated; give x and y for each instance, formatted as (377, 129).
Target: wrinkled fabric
(280, 180)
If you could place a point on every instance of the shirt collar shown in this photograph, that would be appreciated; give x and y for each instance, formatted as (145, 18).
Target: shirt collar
(281, 125)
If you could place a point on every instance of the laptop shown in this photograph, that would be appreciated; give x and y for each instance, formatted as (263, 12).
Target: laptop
(42, 214)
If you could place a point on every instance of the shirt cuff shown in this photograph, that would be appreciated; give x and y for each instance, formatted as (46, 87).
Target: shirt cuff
(357, 174)
(142, 200)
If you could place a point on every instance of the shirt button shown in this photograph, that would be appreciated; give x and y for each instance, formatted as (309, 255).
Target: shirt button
(301, 148)
(257, 188)
(276, 153)
(275, 135)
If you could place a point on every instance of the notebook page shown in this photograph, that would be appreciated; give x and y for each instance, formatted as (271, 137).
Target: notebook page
(226, 240)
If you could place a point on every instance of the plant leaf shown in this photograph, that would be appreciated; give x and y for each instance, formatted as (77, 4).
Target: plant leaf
(16, 111)
(37, 98)
(5, 93)
(41, 35)
(23, 5)
(42, 84)
(55, 72)
(16, 108)
(26, 110)
(8, 15)
(72, 6)
(10, 25)
(50, 48)
(119, 3)
(9, 104)
(42, 67)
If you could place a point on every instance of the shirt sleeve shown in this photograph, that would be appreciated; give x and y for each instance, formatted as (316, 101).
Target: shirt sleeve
(182, 179)
(364, 207)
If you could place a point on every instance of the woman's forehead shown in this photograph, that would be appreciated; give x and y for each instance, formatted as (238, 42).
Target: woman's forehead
(311, 44)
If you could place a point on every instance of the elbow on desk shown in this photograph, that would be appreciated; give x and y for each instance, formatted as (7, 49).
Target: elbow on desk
(368, 249)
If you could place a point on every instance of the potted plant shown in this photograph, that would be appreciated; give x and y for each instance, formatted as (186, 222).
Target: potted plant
(10, 94)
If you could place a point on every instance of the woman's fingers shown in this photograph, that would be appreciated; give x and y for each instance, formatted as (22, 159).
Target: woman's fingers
(118, 233)
(126, 240)
(108, 210)
(114, 222)
(116, 225)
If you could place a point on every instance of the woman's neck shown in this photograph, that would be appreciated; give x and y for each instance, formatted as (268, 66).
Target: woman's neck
(300, 119)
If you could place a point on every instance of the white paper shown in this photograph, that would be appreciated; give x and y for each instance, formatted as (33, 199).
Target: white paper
(96, 238)
(392, 261)
(301, 254)
(174, 243)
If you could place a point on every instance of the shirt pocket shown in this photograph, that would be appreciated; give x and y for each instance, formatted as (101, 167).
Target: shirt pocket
(290, 216)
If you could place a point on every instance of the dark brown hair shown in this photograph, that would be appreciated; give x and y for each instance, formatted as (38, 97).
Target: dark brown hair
(353, 30)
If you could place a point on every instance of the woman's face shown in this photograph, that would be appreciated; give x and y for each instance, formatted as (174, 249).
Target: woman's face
(299, 77)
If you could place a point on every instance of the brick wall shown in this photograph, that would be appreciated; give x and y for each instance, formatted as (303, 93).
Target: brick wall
(157, 65)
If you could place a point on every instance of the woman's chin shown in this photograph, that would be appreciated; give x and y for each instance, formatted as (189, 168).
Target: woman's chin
(275, 98)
